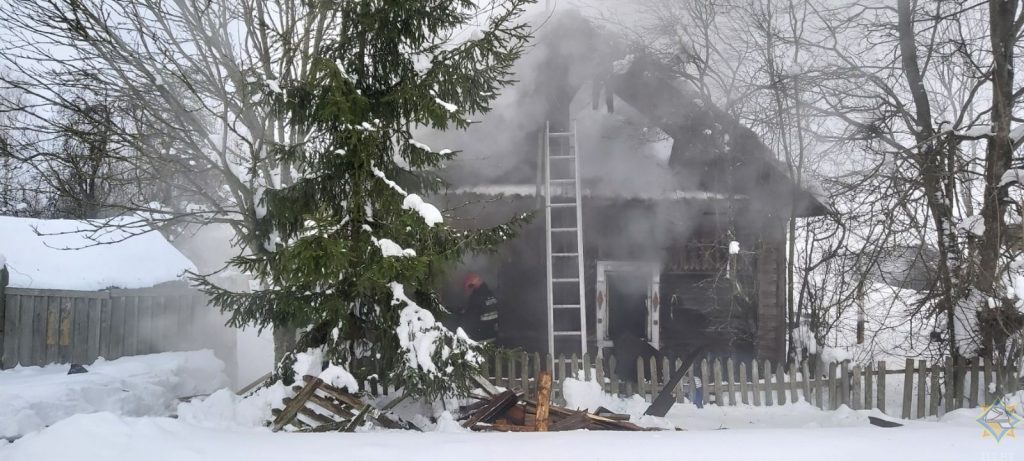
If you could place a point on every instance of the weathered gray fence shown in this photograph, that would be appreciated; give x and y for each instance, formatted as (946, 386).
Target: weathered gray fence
(61, 326)
(916, 391)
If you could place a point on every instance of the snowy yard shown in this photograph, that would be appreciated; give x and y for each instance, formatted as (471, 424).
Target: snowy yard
(121, 410)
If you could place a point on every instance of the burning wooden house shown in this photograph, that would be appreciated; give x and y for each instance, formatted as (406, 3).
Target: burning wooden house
(659, 220)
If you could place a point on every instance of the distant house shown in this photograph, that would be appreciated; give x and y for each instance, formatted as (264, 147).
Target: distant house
(682, 208)
(72, 291)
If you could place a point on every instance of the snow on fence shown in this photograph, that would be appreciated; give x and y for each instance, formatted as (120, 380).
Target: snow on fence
(916, 391)
(42, 326)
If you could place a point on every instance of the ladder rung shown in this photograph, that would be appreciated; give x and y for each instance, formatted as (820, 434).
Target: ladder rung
(566, 306)
(562, 205)
(566, 333)
(560, 134)
(563, 229)
(564, 180)
(561, 156)
(565, 255)
(566, 280)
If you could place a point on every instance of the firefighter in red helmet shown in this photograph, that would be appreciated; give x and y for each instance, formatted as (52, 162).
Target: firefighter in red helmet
(480, 317)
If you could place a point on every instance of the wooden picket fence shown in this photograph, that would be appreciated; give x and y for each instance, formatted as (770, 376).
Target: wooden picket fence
(923, 390)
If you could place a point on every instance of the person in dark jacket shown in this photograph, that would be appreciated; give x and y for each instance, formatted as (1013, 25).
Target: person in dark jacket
(480, 318)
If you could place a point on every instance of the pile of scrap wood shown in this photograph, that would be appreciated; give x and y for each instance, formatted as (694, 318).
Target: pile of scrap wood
(509, 411)
(320, 407)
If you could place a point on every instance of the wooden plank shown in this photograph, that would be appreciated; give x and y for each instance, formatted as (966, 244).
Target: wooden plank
(12, 328)
(64, 339)
(767, 383)
(755, 384)
(144, 337)
(855, 399)
(974, 372)
(613, 378)
(869, 389)
(743, 384)
(93, 328)
(833, 392)
(654, 384)
(719, 387)
(543, 400)
(881, 386)
(640, 378)
(80, 332)
(961, 372)
(705, 378)
(908, 387)
(26, 329)
(805, 371)
(844, 383)
(933, 404)
(793, 395)
(524, 372)
(52, 353)
(39, 316)
(131, 326)
(819, 392)
(116, 339)
(291, 409)
(780, 383)
(988, 384)
(681, 393)
(730, 379)
(922, 387)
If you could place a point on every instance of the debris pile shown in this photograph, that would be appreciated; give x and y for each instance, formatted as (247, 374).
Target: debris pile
(509, 411)
(321, 407)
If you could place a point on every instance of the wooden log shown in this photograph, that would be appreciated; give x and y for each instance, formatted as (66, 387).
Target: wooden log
(291, 409)
(743, 384)
(908, 387)
(543, 400)
(881, 386)
(855, 399)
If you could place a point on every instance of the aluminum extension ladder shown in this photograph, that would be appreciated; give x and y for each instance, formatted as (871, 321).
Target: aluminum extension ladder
(563, 225)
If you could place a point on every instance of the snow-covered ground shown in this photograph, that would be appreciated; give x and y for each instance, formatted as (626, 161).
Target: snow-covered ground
(146, 385)
(226, 427)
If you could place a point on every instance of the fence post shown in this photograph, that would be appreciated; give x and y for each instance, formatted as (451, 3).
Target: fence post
(682, 396)
(730, 378)
(922, 386)
(908, 387)
(743, 383)
(856, 401)
(988, 381)
(755, 383)
(705, 379)
(524, 371)
(599, 371)
(819, 388)
(614, 378)
(641, 389)
(833, 393)
(652, 383)
(780, 383)
(869, 389)
(933, 407)
(844, 385)
(974, 371)
(793, 395)
(805, 371)
(719, 387)
(767, 372)
(5, 336)
(881, 386)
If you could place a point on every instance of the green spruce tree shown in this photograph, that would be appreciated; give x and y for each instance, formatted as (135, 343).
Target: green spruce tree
(349, 250)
